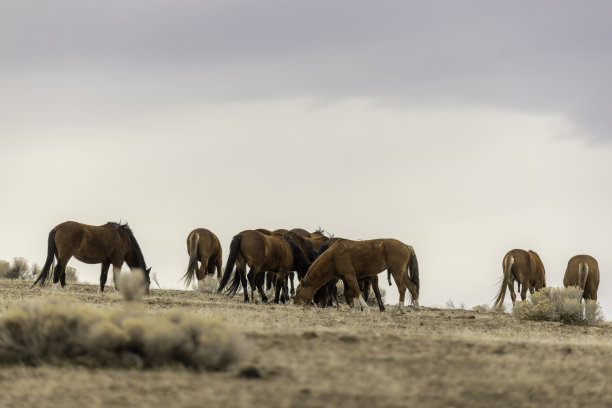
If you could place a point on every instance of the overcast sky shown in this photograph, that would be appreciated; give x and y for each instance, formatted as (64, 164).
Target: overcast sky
(465, 129)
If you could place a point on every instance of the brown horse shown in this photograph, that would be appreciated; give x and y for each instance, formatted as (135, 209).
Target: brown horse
(108, 244)
(526, 268)
(583, 271)
(353, 260)
(326, 294)
(203, 246)
(261, 252)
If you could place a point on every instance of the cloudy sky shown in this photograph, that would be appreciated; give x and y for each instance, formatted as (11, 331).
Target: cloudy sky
(465, 128)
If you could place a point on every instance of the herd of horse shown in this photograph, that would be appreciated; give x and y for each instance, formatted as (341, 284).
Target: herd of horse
(273, 257)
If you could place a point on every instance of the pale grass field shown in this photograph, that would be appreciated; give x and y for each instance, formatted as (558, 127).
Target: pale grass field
(337, 358)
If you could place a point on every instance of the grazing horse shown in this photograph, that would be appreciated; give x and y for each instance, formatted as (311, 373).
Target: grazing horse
(108, 244)
(583, 271)
(325, 295)
(301, 238)
(353, 260)
(203, 246)
(526, 268)
(261, 252)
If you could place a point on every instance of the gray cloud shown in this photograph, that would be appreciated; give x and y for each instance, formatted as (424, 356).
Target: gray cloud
(547, 56)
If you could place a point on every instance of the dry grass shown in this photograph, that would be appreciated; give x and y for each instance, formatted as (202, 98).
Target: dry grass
(58, 330)
(318, 358)
(559, 304)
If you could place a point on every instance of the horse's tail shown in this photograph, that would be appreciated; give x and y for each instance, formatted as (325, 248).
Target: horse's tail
(194, 239)
(51, 253)
(413, 265)
(583, 273)
(507, 266)
(229, 266)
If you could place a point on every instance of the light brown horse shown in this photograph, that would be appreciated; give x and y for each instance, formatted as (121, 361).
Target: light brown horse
(583, 271)
(108, 244)
(526, 268)
(353, 260)
(204, 247)
(326, 294)
(261, 252)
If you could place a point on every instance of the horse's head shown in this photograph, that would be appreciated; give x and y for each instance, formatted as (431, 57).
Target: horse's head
(303, 294)
(147, 282)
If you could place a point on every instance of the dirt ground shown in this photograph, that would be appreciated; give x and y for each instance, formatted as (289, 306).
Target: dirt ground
(308, 357)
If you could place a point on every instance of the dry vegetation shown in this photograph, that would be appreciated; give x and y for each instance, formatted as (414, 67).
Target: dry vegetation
(326, 357)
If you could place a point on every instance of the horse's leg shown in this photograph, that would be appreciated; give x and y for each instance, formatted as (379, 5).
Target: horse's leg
(334, 293)
(202, 270)
(277, 289)
(210, 269)
(59, 270)
(63, 278)
(251, 283)
(259, 282)
(243, 280)
(269, 280)
(401, 287)
(350, 279)
(116, 276)
(219, 268)
(525, 287)
(364, 284)
(103, 275)
(291, 276)
(374, 281)
(285, 288)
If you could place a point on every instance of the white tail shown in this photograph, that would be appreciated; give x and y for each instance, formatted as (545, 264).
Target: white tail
(507, 266)
(583, 273)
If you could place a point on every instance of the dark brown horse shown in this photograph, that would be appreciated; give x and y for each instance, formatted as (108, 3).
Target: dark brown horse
(108, 244)
(526, 268)
(203, 246)
(301, 238)
(583, 271)
(353, 260)
(261, 252)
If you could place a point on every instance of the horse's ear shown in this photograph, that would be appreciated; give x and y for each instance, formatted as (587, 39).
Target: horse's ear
(148, 271)
(301, 280)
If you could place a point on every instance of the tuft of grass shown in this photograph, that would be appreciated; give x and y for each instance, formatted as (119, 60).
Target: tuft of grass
(559, 304)
(451, 305)
(132, 285)
(207, 285)
(58, 330)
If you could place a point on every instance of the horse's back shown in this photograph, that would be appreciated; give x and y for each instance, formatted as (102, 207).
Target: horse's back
(571, 277)
(206, 238)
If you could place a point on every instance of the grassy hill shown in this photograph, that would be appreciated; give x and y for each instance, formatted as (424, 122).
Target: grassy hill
(312, 357)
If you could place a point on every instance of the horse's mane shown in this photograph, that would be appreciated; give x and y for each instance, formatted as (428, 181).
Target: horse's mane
(126, 231)
(300, 262)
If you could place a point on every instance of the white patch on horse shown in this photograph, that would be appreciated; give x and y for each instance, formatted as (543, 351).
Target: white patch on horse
(364, 305)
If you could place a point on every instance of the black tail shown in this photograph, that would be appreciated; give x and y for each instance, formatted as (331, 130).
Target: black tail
(229, 266)
(51, 252)
(413, 265)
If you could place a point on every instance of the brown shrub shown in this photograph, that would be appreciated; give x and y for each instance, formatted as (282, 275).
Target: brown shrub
(58, 330)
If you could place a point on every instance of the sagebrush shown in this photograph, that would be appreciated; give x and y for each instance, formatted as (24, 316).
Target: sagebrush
(559, 304)
(59, 330)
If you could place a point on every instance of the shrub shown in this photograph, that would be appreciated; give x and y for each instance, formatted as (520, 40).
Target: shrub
(71, 274)
(132, 285)
(58, 330)
(17, 270)
(207, 285)
(558, 304)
